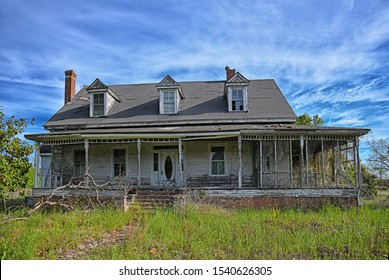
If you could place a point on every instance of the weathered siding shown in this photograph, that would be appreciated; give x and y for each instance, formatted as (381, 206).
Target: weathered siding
(110, 102)
(198, 164)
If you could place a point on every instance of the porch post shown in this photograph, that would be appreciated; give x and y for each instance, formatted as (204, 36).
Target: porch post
(290, 163)
(139, 167)
(359, 172)
(240, 161)
(86, 147)
(260, 164)
(180, 162)
(275, 162)
(356, 175)
(322, 163)
(337, 159)
(307, 161)
(302, 161)
(37, 167)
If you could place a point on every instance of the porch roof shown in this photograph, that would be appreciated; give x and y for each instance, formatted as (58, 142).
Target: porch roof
(208, 131)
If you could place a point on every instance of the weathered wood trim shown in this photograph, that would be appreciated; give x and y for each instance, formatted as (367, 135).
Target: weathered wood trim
(240, 161)
(261, 163)
(291, 162)
(322, 164)
(301, 161)
(307, 163)
(181, 183)
(306, 192)
(275, 164)
(86, 147)
(37, 167)
(139, 182)
(359, 181)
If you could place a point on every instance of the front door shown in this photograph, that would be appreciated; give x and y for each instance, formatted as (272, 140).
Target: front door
(168, 170)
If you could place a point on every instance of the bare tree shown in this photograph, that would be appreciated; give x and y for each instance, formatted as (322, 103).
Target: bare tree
(379, 156)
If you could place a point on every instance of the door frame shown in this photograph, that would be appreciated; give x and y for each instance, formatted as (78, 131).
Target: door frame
(158, 168)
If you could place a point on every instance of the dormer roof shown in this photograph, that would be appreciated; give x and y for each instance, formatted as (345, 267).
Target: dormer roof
(238, 79)
(97, 86)
(169, 83)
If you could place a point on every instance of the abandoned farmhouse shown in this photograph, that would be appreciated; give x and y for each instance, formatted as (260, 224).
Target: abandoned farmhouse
(234, 140)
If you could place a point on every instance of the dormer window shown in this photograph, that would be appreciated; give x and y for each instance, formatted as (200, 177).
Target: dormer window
(236, 91)
(102, 99)
(169, 102)
(98, 104)
(237, 100)
(170, 95)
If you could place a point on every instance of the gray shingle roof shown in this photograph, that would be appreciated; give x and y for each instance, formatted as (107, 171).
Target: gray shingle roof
(204, 103)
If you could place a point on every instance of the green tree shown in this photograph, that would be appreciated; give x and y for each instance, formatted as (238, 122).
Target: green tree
(369, 181)
(14, 164)
(306, 119)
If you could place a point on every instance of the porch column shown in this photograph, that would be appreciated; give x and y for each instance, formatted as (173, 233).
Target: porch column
(290, 163)
(356, 176)
(180, 162)
(307, 161)
(302, 161)
(322, 163)
(240, 161)
(260, 164)
(86, 147)
(275, 163)
(337, 159)
(359, 172)
(139, 167)
(37, 167)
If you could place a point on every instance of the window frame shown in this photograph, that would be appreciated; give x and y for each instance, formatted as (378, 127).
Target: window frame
(236, 99)
(169, 101)
(211, 160)
(94, 105)
(237, 103)
(121, 163)
(79, 166)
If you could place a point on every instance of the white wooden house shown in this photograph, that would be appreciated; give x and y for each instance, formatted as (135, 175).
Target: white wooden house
(234, 139)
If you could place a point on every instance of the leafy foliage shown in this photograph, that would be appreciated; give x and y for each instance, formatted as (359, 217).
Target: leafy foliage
(14, 164)
(369, 181)
(306, 119)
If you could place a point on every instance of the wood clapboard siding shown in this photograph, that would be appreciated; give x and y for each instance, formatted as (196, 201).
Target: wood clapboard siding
(197, 163)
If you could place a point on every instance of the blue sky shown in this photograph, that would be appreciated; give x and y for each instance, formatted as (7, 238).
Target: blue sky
(328, 57)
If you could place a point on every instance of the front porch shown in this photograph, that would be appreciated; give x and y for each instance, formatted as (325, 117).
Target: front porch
(290, 165)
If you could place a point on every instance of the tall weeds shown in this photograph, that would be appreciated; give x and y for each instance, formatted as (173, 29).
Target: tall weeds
(199, 232)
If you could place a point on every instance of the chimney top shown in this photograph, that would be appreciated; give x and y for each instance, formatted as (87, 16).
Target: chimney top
(229, 72)
(70, 85)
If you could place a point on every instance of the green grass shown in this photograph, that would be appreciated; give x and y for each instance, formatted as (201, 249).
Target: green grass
(199, 232)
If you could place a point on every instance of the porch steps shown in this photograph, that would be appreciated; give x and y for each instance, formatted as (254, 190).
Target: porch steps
(150, 199)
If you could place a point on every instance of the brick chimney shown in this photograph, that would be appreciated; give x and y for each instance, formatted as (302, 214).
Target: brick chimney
(229, 72)
(70, 85)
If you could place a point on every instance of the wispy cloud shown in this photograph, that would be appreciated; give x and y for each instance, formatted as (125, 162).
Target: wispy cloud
(329, 57)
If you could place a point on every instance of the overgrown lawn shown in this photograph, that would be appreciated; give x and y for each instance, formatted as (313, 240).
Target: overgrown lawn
(198, 232)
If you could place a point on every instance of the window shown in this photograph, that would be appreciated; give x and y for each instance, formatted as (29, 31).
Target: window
(79, 163)
(119, 162)
(98, 104)
(168, 102)
(155, 162)
(217, 161)
(237, 100)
